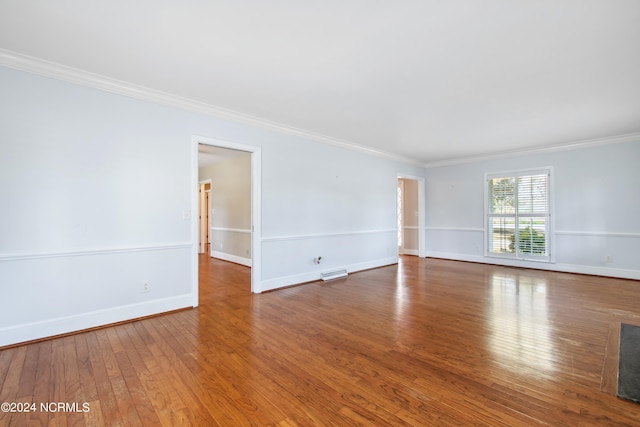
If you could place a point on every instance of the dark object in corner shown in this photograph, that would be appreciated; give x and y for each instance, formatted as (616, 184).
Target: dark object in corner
(629, 363)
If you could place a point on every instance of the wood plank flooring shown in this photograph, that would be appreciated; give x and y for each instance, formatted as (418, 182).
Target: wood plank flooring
(427, 342)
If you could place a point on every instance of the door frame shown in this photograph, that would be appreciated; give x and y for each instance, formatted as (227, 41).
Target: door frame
(256, 253)
(202, 245)
(422, 250)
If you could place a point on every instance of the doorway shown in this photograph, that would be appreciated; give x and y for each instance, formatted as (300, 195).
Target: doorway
(199, 199)
(204, 218)
(410, 216)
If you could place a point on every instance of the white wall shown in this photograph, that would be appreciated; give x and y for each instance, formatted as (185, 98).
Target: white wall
(596, 198)
(94, 188)
(325, 201)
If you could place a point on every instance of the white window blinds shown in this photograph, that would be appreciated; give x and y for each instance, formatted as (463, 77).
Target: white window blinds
(518, 215)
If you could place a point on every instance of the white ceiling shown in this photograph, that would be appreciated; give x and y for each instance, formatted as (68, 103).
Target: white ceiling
(428, 80)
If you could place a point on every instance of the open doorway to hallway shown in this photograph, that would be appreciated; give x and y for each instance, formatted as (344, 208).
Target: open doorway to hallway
(233, 171)
(224, 199)
(410, 206)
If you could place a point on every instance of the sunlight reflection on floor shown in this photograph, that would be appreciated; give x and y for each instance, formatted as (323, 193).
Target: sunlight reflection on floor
(518, 319)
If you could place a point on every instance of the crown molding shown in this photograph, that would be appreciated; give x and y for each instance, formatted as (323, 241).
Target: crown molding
(97, 81)
(630, 137)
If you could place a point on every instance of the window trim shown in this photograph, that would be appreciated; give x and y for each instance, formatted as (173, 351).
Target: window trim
(551, 233)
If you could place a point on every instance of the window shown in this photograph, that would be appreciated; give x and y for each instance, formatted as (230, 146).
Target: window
(518, 215)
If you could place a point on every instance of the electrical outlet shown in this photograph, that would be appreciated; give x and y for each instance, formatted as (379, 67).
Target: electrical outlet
(146, 287)
(608, 258)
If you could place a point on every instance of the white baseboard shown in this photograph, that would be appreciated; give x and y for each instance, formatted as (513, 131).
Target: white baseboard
(565, 268)
(64, 325)
(231, 258)
(311, 276)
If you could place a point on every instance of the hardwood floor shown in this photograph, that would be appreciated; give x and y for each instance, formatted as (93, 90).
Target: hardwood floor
(426, 342)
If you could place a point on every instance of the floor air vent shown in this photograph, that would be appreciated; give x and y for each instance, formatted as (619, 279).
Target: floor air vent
(333, 274)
